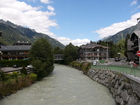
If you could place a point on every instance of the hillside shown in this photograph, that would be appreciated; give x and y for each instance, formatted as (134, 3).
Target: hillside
(122, 34)
(12, 33)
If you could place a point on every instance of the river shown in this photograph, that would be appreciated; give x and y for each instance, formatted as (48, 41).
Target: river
(65, 86)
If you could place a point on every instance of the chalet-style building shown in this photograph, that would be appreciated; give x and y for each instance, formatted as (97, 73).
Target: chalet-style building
(93, 51)
(133, 46)
(19, 50)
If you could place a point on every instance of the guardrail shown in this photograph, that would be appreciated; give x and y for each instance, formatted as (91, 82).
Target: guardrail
(119, 68)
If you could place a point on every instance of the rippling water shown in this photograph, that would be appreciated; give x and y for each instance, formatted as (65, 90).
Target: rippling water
(66, 86)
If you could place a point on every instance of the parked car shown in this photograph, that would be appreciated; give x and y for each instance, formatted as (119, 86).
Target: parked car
(29, 67)
(15, 66)
(94, 62)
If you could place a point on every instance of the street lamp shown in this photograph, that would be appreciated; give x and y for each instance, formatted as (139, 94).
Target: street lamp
(98, 54)
(107, 52)
(119, 56)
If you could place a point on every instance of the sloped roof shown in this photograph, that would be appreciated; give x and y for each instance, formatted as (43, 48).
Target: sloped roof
(92, 45)
(15, 48)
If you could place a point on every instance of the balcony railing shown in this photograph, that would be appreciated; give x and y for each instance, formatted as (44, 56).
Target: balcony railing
(15, 55)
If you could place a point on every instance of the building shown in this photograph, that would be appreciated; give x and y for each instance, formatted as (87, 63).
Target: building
(19, 50)
(133, 46)
(93, 51)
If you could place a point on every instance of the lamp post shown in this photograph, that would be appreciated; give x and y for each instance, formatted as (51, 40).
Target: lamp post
(98, 54)
(119, 56)
(107, 52)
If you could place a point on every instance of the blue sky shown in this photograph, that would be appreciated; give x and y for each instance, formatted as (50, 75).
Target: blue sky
(75, 21)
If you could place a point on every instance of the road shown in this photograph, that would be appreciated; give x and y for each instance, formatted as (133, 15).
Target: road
(10, 69)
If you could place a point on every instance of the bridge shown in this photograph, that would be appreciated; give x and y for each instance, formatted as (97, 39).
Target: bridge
(58, 57)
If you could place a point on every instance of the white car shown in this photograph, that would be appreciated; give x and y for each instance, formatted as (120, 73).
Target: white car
(29, 67)
(94, 62)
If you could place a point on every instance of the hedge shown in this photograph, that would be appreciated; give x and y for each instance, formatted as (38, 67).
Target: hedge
(10, 63)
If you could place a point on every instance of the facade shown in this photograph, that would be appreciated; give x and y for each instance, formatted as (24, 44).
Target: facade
(93, 51)
(19, 50)
(133, 46)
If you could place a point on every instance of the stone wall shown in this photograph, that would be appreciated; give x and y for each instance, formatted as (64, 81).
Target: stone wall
(124, 90)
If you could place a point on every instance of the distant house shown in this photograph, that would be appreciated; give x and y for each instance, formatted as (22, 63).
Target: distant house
(19, 50)
(93, 51)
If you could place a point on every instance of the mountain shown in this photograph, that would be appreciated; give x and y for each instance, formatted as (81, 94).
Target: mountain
(122, 34)
(12, 33)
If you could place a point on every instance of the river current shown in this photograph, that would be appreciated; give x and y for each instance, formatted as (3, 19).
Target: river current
(65, 86)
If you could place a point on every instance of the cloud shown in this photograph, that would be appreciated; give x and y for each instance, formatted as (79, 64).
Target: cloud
(25, 15)
(133, 3)
(76, 42)
(46, 1)
(116, 27)
(50, 8)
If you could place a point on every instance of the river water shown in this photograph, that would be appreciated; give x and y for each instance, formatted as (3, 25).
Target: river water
(65, 86)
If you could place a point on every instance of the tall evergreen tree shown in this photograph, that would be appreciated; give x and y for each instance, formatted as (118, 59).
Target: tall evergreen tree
(126, 40)
(41, 57)
(70, 53)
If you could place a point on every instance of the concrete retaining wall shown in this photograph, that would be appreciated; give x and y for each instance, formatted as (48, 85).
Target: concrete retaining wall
(124, 90)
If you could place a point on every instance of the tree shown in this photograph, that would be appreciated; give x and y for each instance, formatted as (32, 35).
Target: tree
(41, 57)
(126, 40)
(70, 53)
(57, 50)
(121, 46)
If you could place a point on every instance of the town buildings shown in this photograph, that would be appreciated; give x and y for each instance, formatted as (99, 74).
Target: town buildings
(93, 51)
(19, 50)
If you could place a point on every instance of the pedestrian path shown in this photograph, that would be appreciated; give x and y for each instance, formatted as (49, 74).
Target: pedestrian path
(133, 73)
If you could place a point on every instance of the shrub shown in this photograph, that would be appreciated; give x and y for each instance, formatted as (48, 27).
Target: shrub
(33, 76)
(2, 75)
(23, 70)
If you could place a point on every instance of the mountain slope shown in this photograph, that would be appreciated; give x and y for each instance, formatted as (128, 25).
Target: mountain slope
(12, 33)
(122, 34)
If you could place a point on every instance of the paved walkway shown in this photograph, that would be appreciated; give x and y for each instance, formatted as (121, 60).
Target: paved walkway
(132, 73)
(10, 69)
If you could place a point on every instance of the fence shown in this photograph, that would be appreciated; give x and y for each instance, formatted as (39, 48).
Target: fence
(119, 68)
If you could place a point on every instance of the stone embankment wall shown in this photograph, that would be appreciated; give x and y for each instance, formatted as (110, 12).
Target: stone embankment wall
(124, 90)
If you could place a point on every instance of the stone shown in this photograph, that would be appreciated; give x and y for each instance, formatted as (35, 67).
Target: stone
(133, 101)
(124, 95)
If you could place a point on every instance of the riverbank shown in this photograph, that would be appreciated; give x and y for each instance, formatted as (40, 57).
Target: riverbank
(124, 90)
(15, 82)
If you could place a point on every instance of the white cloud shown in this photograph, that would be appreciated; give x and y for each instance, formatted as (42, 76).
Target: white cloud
(133, 3)
(45, 1)
(76, 42)
(50, 8)
(23, 14)
(116, 27)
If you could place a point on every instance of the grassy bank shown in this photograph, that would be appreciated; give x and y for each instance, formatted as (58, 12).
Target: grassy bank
(12, 82)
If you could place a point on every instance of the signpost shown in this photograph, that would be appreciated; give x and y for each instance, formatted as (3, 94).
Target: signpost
(138, 53)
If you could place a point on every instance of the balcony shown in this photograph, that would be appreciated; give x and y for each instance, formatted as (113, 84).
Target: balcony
(15, 55)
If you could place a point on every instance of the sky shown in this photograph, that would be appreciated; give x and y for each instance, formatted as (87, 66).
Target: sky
(72, 21)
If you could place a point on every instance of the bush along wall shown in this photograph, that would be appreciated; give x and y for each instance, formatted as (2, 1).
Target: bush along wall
(124, 90)
(83, 66)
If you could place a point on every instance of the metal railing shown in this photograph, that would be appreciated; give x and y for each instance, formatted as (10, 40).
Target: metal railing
(120, 68)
